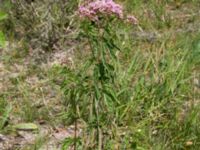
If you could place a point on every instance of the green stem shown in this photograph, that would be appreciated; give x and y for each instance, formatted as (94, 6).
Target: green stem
(75, 135)
(99, 134)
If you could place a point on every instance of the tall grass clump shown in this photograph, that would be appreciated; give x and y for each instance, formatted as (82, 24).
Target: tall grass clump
(5, 110)
(3, 17)
(91, 92)
(45, 25)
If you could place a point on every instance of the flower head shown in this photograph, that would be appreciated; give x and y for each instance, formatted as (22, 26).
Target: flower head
(93, 9)
(107, 7)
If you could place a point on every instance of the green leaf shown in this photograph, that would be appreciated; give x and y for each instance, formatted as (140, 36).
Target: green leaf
(3, 15)
(111, 94)
(5, 116)
(67, 143)
(26, 126)
(2, 39)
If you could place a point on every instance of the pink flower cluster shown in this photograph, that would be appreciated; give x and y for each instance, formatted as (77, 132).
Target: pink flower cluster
(107, 7)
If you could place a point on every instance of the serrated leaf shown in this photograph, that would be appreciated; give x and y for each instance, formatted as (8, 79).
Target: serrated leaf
(26, 126)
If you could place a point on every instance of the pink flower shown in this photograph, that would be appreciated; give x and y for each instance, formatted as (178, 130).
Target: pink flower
(107, 7)
(85, 12)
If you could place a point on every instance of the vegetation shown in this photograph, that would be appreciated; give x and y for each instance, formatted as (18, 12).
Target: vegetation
(104, 84)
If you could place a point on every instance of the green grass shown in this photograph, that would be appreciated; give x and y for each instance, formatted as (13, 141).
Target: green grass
(159, 103)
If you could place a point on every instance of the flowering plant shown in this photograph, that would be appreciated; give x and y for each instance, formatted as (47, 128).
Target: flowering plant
(92, 91)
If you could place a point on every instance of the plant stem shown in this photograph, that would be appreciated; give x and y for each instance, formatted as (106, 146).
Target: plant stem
(75, 135)
(99, 135)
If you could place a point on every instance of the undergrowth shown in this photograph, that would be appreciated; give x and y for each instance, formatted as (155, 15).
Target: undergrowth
(128, 87)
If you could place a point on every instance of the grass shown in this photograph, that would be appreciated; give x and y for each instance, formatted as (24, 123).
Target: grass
(158, 76)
